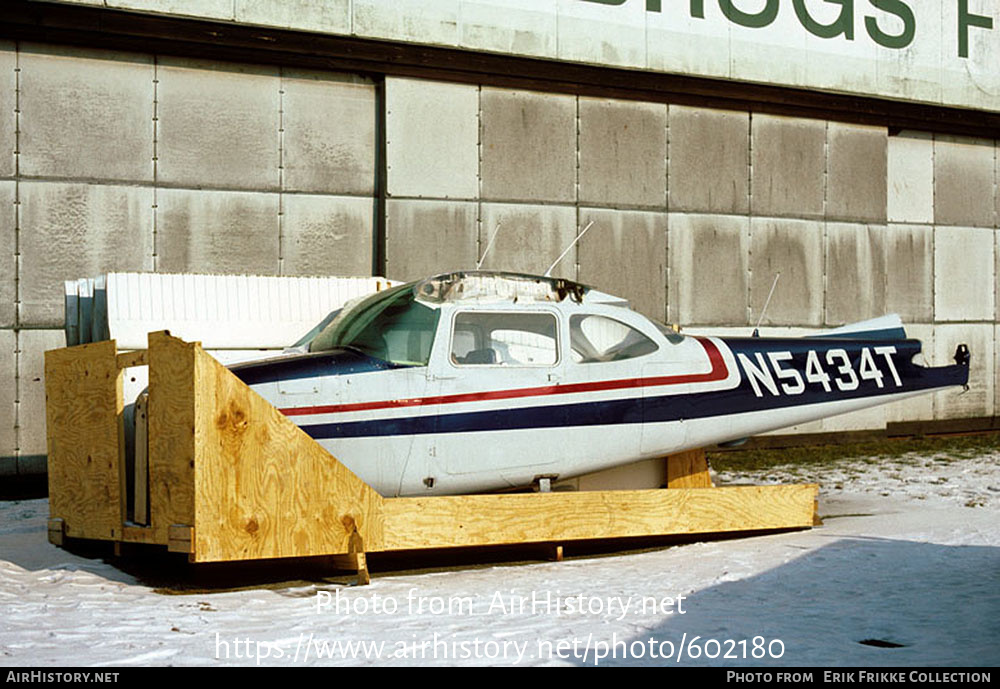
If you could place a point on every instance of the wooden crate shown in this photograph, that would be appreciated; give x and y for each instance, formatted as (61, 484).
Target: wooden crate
(231, 478)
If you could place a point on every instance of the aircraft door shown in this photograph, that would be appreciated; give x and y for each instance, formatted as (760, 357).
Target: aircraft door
(494, 412)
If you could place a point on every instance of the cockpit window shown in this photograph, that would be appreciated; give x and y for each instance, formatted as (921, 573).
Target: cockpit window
(598, 338)
(517, 339)
(391, 325)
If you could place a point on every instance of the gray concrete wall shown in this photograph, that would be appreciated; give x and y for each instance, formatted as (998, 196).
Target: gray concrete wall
(112, 161)
(695, 211)
(121, 161)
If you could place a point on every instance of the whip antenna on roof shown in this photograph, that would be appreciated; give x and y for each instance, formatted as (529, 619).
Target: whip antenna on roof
(571, 244)
(489, 244)
(756, 329)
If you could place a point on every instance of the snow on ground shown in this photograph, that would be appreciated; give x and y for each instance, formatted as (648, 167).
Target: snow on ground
(909, 555)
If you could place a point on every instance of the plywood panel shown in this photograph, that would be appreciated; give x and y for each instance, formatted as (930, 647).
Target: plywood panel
(474, 520)
(84, 403)
(171, 433)
(688, 470)
(264, 488)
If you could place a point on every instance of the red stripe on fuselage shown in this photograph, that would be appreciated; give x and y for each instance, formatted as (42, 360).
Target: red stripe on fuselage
(719, 372)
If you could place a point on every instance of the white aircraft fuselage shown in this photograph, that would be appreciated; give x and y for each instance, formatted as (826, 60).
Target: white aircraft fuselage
(471, 382)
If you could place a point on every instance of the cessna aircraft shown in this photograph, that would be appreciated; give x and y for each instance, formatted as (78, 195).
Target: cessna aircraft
(477, 381)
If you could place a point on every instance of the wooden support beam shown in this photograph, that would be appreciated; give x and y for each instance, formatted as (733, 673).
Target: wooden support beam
(139, 357)
(140, 464)
(688, 470)
(181, 538)
(57, 531)
(476, 520)
(355, 559)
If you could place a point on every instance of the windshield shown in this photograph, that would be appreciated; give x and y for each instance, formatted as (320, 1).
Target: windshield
(391, 325)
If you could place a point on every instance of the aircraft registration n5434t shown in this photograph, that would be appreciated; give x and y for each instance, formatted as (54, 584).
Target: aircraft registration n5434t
(477, 381)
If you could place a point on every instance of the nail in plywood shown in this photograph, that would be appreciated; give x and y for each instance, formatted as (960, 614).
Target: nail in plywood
(83, 410)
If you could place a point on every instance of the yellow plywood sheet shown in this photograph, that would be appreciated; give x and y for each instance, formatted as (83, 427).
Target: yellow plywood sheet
(83, 408)
(171, 433)
(265, 489)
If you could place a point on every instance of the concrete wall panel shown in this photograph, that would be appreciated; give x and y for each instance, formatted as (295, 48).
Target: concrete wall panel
(424, 238)
(964, 285)
(910, 178)
(8, 401)
(8, 108)
(407, 20)
(872, 419)
(214, 9)
(671, 34)
(77, 230)
(594, 32)
(789, 161)
(31, 390)
(919, 408)
(909, 272)
(916, 73)
(531, 238)
(855, 272)
(709, 258)
(623, 152)
(216, 232)
(795, 249)
(86, 114)
(432, 138)
(528, 146)
(978, 400)
(513, 26)
(8, 260)
(625, 253)
(326, 235)
(217, 125)
(328, 16)
(328, 144)
(768, 62)
(963, 182)
(709, 160)
(856, 173)
(974, 79)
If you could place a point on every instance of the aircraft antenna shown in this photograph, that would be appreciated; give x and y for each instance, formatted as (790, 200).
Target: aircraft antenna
(756, 329)
(489, 245)
(571, 244)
